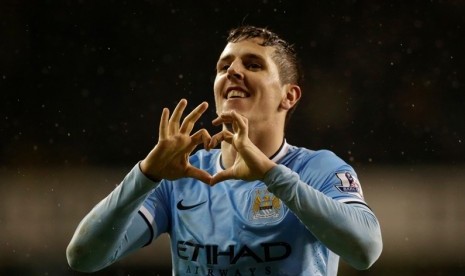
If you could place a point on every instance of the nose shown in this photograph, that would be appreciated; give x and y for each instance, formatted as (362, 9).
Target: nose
(235, 71)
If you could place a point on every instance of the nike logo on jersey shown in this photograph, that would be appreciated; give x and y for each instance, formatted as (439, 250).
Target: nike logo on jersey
(187, 207)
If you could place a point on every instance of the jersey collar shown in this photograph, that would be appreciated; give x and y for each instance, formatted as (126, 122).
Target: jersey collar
(275, 157)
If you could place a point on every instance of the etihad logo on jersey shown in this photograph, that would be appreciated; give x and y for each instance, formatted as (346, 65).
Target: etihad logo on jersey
(265, 207)
(349, 184)
(210, 254)
(249, 271)
(209, 260)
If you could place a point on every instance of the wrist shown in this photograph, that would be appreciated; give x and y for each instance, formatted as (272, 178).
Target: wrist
(143, 167)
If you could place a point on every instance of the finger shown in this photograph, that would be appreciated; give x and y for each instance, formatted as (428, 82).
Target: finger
(223, 135)
(240, 123)
(222, 176)
(176, 117)
(227, 117)
(241, 120)
(206, 138)
(191, 119)
(163, 128)
(201, 136)
(222, 119)
(199, 174)
(217, 121)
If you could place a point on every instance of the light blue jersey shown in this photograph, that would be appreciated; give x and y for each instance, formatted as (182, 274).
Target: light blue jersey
(240, 228)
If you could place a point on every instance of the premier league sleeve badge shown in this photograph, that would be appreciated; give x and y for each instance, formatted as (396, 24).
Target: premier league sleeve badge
(349, 184)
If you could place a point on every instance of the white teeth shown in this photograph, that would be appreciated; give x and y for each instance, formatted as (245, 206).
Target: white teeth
(236, 94)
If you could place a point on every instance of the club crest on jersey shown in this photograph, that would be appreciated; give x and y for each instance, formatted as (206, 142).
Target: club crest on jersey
(349, 184)
(265, 207)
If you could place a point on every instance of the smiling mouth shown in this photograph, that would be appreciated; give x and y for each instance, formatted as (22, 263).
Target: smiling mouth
(236, 94)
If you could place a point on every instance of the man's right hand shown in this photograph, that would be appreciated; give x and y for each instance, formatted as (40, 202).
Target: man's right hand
(169, 159)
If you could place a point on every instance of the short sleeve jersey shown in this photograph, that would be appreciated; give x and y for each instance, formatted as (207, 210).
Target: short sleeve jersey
(240, 228)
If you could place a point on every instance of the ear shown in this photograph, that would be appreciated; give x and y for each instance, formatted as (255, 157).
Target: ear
(291, 96)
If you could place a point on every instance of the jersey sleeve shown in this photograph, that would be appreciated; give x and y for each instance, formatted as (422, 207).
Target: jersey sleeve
(333, 177)
(156, 210)
(113, 228)
(316, 195)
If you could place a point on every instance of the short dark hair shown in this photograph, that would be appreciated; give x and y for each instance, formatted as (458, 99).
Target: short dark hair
(285, 56)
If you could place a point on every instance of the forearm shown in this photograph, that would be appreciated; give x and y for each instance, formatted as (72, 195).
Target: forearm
(102, 236)
(349, 230)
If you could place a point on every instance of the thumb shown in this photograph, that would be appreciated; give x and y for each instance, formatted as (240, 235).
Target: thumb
(222, 176)
(199, 174)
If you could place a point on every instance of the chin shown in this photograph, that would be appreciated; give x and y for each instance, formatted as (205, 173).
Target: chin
(234, 105)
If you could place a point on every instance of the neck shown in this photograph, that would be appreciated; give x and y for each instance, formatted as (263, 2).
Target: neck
(268, 140)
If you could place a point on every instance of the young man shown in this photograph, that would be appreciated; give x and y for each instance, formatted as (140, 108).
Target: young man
(257, 206)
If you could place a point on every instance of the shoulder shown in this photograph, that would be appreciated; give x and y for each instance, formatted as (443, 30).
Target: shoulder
(327, 157)
(316, 166)
(321, 158)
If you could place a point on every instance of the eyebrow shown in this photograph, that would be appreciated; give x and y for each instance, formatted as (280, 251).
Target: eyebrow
(246, 56)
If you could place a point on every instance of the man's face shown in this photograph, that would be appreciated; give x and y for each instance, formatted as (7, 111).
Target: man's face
(248, 82)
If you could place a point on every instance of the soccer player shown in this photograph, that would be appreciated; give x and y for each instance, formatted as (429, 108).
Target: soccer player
(257, 205)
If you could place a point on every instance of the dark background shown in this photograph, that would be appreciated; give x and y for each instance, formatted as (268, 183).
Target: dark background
(83, 83)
